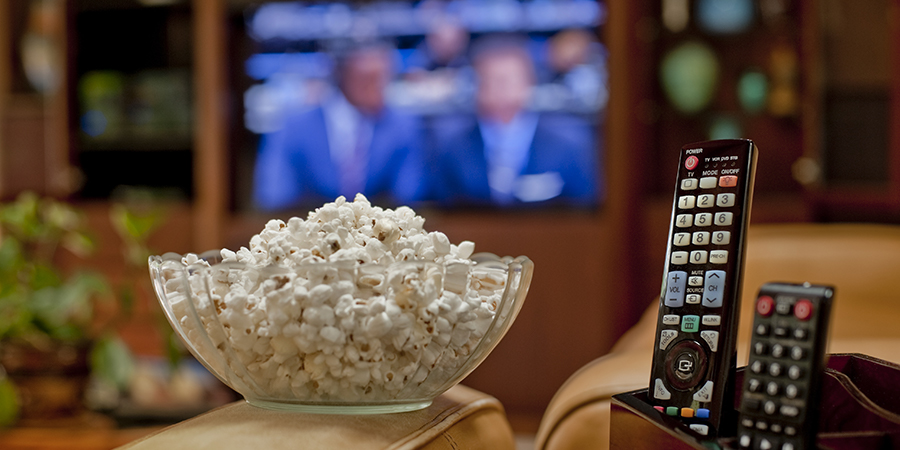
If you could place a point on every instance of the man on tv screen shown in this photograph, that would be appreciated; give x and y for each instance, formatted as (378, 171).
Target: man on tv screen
(353, 142)
(507, 155)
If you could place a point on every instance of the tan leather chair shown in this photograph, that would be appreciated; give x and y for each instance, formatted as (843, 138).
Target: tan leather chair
(461, 418)
(861, 261)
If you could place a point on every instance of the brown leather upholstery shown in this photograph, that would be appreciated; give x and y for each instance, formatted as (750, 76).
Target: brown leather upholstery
(861, 261)
(461, 418)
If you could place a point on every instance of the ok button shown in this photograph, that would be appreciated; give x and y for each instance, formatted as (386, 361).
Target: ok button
(685, 365)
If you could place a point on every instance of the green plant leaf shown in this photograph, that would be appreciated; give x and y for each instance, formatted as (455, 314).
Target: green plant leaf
(9, 401)
(112, 361)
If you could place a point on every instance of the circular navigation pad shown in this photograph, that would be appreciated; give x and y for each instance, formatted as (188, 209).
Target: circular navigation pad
(686, 365)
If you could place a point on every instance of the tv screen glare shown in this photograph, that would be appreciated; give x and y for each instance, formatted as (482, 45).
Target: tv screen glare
(451, 104)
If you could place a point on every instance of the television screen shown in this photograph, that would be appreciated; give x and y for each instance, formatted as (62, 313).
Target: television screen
(458, 103)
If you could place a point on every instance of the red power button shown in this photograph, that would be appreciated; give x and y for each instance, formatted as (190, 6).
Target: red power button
(691, 162)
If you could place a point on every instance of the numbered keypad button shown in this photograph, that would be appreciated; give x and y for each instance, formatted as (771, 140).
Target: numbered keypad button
(686, 201)
(724, 219)
(703, 219)
(700, 238)
(682, 239)
(721, 237)
(689, 184)
(699, 257)
(684, 220)
(706, 200)
(725, 200)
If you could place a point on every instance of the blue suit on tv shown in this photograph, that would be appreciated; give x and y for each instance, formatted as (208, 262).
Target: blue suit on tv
(294, 165)
(561, 167)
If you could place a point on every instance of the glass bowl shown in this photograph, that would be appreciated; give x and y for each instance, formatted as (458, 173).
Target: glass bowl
(341, 337)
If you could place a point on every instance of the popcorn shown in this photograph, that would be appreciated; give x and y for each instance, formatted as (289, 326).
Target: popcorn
(353, 303)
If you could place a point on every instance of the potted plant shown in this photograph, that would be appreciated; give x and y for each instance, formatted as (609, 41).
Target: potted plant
(51, 338)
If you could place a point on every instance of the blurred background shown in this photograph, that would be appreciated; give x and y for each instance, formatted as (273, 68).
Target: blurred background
(169, 125)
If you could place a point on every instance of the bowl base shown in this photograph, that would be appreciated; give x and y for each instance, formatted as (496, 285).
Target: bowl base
(339, 409)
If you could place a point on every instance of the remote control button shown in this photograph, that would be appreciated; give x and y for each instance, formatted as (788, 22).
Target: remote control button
(690, 163)
(699, 257)
(700, 238)
(789, 411)
(686, 201)
(695, 281)
(772, 388)
(718, 256)
(711, 338)
(690, 324)
(803, 310)
(675, 288)
(797, 353)
(702, 413)
(762, 425)
(672, 411)
(689, 184)
(747, 422)
(685, 365)
(671, 319)
(790, 431)
(764, 306)
(713, 293)
(666, 337)
(757, 367)
(693, 299)
(728, 181)
(681, 239)
(761, 330)
(721, 238)
(745, 441)
(791, 390)
(783, 308)
(679, 258)
(760, 348)
(659, 408)
(775, 369)
(687, 412)
(754, 385)
(660, 391)
(684, 220)
(711, 320)
(780, 332)
(800, 334)
(725, 200)
(765, 444)
(778, 351)
(770, 407)
(705, 393)
(795, 372)
(775, 428)
(703, 219)
(788, 446)
(700, 428)
(724, 219)
(706, 200)
(708, 182)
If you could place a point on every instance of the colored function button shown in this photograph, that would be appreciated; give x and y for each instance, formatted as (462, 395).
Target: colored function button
(691, 162)
(659, 408)
(765, 305)
(803, 310)
(728, 181)
(672, 411)
(702, 413)
(690, 324)
(687, 412)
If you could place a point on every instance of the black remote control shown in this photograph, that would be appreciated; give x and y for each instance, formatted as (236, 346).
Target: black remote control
(787, 356)
(692, 376)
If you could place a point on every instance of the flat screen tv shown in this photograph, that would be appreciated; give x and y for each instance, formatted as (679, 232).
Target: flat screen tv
(450, 104)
